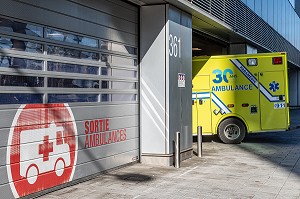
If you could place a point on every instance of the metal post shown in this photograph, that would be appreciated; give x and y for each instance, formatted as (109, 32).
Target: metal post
(199, 148)
(177, 150)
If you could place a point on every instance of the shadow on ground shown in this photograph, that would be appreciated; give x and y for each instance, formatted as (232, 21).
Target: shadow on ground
(133, 177)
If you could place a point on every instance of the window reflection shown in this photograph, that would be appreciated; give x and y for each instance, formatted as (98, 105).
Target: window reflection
(105, 45)
(24, 81)
(123, 85)
(72, 83)
(131, 50)
(105, 98)
(28, 44)
(64, 98)
(105, 58)
(258, 4)
(70, 38)
(72, 68)
(105, 84)
(20, 98)
(16, 44)
(104, 71)
(123, 61)
(15, 62)
(124, 73)
(124, 49)
(19, 27)
(68, 52)
(123, 97)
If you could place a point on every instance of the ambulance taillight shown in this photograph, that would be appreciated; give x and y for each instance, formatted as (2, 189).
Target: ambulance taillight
(277, 60)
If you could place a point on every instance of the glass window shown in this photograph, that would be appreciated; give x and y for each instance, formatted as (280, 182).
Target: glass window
(20, 98)
(88, 42)
(280, 16)
(123, 85)
(64, 98)
(72, 83)
(20, 45)
(105, 71)
(258, 7)
(294, 19)
(275, 10)
(105, 98)
(70, 38)
(104, 84)
(123, 61)
(124, 48)
(271, 12)
(72, 68)
(250, 4)
(26, 81)
(105, 45)
(284, 18)
(15, 62)
(123, 97)
(292, 3)
(68, 52)
(290, 23)
(264, 7)
(105, 58)
(297, 38)
(19, 27)
(124, 73)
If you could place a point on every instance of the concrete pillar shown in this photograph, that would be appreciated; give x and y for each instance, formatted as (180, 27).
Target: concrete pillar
(166, 88)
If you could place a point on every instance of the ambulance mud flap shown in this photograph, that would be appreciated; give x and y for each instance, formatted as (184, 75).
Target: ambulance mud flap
(231, 131)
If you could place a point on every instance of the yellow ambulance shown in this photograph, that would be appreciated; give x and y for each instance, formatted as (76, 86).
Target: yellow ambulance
(238, 94)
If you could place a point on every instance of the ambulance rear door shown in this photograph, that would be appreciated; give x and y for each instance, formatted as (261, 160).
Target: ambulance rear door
(272, 100)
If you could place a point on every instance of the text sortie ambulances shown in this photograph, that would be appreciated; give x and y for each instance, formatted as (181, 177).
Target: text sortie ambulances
(98, 133)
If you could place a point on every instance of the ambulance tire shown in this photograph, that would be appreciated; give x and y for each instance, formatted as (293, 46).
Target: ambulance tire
(231, 131)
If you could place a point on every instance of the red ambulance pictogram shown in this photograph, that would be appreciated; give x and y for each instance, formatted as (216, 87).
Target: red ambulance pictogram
(42, 148)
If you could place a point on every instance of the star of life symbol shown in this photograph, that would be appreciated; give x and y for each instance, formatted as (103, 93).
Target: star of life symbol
(274, 86)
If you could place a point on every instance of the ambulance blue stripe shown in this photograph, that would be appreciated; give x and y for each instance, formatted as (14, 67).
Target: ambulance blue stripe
(262, 89)
(214, 98)
(268, 95)
(220, 104)
(253, 79)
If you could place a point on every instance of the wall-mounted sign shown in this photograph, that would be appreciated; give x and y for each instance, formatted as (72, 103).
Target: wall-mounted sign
(181, 80)
(42, 148)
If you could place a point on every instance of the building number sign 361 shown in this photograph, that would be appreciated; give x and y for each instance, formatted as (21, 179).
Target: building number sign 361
(174, 46)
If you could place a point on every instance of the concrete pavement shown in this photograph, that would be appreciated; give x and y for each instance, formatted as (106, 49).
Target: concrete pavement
(265, 165)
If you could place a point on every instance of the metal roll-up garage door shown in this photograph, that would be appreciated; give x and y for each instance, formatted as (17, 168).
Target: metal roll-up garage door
(69, 91)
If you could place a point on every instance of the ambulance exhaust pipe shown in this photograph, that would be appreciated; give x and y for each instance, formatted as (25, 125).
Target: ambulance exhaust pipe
(177, 150)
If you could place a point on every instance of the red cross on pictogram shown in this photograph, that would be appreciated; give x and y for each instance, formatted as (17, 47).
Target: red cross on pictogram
(46, 148)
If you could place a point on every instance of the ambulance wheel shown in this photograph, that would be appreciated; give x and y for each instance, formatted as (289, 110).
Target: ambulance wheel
(59, 166)
(32, 173)
(231, 131)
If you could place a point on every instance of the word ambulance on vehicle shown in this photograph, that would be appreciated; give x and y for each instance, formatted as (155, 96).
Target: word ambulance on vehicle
(238, 94)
